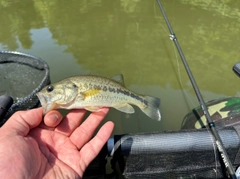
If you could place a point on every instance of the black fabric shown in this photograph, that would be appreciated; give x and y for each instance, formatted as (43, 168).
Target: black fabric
(177, 154)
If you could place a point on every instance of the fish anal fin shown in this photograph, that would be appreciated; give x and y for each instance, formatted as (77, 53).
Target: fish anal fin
(92, 108)
(90, 93)
(126, 108)
(119, 79)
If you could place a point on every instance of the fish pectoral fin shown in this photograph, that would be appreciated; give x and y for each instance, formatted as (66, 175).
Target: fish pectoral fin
(126, 108)
(92, 108)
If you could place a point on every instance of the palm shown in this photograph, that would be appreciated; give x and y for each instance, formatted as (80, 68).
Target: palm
(57, 153)
(63, 151)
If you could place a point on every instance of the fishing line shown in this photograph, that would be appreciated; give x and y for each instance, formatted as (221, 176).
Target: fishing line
(177, 61)
(189, 98)
(218, 141)
(182, 86)
(180, 79)
(159, 22)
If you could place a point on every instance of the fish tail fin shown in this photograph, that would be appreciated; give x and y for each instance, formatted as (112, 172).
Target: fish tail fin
(152, 110)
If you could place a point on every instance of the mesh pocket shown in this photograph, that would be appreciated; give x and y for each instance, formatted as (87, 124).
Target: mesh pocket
(21, 77)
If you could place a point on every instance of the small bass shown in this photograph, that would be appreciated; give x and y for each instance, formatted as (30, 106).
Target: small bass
(95, 92)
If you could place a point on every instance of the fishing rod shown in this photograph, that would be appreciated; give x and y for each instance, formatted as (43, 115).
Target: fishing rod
(211, 124)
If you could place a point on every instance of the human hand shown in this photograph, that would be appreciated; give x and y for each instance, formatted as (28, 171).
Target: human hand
(56, 148)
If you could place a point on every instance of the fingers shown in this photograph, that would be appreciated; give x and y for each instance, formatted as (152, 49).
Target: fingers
(52, 118)
(85, 132)
(54, 121)
(72, 120)
(22, 121)
(93, 147)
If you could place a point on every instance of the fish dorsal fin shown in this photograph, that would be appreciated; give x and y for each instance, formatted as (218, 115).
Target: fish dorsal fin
(118, 78)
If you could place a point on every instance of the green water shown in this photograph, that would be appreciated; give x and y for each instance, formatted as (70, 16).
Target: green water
(106, 37)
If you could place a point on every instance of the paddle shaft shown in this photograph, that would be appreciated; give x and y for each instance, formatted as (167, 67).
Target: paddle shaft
(211, 124)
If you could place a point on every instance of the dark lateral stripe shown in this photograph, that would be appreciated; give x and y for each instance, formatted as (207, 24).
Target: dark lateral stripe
(120, 91)
(97, 87)
(112, 89)
(127, 93)
(139, 98)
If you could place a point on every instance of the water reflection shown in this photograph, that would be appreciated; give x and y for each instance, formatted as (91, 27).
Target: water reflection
(107, 37)
(225, 8)
(17, 19)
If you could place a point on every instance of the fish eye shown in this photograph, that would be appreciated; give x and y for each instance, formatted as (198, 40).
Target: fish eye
(50, 88)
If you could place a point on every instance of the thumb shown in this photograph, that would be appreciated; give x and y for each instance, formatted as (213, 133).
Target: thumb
(22, 121)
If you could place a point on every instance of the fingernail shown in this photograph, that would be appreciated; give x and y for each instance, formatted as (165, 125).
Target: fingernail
(53, 118)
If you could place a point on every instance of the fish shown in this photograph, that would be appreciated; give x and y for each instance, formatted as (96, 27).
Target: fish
(92, 92)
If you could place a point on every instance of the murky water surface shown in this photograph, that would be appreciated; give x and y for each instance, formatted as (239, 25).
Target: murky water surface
(106, 37)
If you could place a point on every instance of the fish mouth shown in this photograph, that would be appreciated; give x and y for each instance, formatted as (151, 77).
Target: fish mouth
(44, 101)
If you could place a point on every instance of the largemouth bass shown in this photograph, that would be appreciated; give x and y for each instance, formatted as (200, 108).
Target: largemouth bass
(93, 93)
